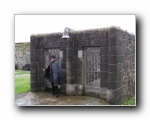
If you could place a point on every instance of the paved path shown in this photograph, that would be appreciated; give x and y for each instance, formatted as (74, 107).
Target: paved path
(22, 75)
(46, 99)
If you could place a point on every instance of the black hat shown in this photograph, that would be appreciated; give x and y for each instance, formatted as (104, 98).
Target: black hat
(52, 56)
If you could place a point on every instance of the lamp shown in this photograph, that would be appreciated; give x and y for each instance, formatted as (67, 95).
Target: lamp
(66, 33)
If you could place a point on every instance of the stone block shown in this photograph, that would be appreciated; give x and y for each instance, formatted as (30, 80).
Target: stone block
(115, 50)
(34, 45)
(70, 65)
(80, 89)
(41, 45)
(112, 32)
(33, 65)
(41, 65)
(41, 78)
(89, 43)
(42, 88)
(34, 84)
(41, 58)
(70, 73)
(115, 59)
(103, 67)
(78, 65)
(45, 45)
(34, 89)
(70, 80)
(93, 35)
(34, 78)
(34, 58)
(78, 80)
(109, 96)
(63, 65)
(34, 71)
(115, 76)
(69, 43)
(104, 51)
(115, 67)
(114, 85)
(34, 52)
(41, 84)
(103, 83)
(82, 43)
(41, 72)
(100, 42)
(53, 44)
(33, 39)
(114, 42)
(103, 93)
(76, 59)
(69, 52)
(103, 59)
(70, 58)
(41, 52)
(70, 89)
(63, 73)
(75, 52)
(64, 59)
(78, 72)
(103, 76)
(96, 42)
(118, 92)
(76, 43)
(92, 93)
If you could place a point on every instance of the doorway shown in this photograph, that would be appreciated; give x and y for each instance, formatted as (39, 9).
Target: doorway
(92, 69)
(48, 53)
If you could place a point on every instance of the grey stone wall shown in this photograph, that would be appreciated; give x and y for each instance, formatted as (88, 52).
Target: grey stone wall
(121, 66)
(22, 54)
(117, 61)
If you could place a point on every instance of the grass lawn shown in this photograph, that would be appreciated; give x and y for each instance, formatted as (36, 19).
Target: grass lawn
(22, 84)
(18, 72)
(130, 101)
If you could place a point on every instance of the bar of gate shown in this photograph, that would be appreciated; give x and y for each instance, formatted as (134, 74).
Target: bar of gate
(94, 67)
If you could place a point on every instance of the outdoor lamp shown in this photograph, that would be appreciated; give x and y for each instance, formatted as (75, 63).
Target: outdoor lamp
(66, 33)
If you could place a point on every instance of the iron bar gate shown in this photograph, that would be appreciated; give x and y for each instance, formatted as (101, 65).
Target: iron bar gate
(92, 68)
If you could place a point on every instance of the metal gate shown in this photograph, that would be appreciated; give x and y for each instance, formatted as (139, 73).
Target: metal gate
(92, 68)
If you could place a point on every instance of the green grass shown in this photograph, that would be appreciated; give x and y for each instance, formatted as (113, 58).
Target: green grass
(130, 101)
(22, 84)
(18, 72)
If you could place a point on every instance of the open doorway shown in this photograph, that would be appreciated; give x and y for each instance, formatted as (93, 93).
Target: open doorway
(48, 53)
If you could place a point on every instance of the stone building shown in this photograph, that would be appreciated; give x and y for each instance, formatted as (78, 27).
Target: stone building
(22, 53)
(96, 62)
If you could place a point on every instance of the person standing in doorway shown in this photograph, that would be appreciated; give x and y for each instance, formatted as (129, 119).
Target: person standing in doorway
(54, 75)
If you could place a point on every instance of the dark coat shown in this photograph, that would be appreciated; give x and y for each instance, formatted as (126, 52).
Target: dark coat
(53, 73)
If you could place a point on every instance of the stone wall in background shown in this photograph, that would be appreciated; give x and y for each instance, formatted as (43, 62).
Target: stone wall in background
(22, 54)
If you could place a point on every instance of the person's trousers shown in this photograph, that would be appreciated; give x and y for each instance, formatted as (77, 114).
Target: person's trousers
(55, 89)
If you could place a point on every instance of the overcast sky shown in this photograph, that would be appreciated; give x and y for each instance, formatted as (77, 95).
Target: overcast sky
(25, 25)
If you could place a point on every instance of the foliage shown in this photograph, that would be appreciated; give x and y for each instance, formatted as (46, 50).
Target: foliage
(18, 72)
(130, 101)
(22, 84)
